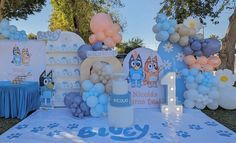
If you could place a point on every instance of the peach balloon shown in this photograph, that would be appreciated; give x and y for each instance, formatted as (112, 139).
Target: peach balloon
(92, 39)
(100, 36)
(109, 42)
(109, 32)
(207, 67)
(214, 61)
(196, 66)
(202, 60)
(116, 27)
(100, 22)
(117, 38)
(189, 60)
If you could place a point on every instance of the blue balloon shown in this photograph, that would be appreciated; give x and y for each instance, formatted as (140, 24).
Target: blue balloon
(92, 101)
(187, 51)
(99, 88)
(161, 18)
(196, 45)
(85, 95)
(171, 64)
(198, 53)
(87, 85)
(190, 79)
(173, 22)
(211, 47)
(12, 29)
(193, 71)
(97, 46)
(162, 36)
(103, 98)
(94, 113)
(165, 26)
(203, 89)
(185, 72)
(82, 51)
(171, 30)
(99, 108)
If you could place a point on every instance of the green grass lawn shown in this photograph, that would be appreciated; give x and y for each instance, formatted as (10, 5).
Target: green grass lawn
(225, 117)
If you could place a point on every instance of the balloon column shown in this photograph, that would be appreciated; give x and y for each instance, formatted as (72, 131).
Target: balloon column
(106, 35)
(104, 30)
(10, 31)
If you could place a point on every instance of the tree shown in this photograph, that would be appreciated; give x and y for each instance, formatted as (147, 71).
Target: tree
(75, 15)
(20, 9)
(133, 43)
(203, 9)
(32, 36)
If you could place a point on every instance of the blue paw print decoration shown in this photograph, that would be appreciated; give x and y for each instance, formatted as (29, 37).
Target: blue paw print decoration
(37, 129)
(54, 133)
(182, 134)
(19, 127)
(224, 133)
(167, 124)
(156, 135)
(53, 125)
(14, 135)
(195, 127)
(72, 126)
(211, 123)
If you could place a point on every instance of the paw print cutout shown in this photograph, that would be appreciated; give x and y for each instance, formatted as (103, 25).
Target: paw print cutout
(14, 135)
(72, 126)
(211, 123)
(224, 133)
(167, 124)
(156, 135)
(54, 133)
(182, 134)
(19, 127)
(195, 127)
(37, 129)
(53, 125)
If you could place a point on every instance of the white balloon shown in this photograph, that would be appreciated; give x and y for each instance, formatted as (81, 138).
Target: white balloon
(227, 99)
(188, 103)
(200, 105)
(213, 105)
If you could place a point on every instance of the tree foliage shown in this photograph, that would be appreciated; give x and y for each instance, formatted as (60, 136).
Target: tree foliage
(75, 15)
(20, 9)
(181, 9)
(133, 43)
(32, 36)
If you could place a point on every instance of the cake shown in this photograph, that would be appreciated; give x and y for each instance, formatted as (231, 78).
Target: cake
(120, 110)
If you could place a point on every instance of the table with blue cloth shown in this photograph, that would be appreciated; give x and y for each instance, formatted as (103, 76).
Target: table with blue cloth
(17, 100)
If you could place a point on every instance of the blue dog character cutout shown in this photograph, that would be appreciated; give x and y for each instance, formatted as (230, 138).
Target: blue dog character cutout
(47, 88)
(136, 74)
(16, 56)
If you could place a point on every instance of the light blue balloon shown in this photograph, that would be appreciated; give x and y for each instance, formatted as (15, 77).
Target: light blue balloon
(94, 113)
(4, 24)
(162, 36)
(99, 108)
(185, 72)
(85, 95)
(190, 79)
(99, 88)
(203, 89)
(171, 30)
(103, 98)
(87, 85)
(165, 26)
(92, 101)
(192, 85)
(174, 65)
(161, 18)
(173, 22)
(199, 78)
(12, 29)
(193, 71)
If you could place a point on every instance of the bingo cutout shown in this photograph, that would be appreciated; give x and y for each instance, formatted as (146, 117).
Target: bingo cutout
(144, 69)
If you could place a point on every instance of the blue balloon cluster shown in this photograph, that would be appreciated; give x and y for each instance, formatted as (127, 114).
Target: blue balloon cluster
(201, 88)
(163, 27)
(76, 104)
(206, 47)
(11, 32)
(95, 97)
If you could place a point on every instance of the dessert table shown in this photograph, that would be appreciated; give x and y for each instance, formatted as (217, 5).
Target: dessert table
(17, 100)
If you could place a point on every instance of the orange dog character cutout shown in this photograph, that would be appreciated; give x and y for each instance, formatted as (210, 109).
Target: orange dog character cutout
(151, 71)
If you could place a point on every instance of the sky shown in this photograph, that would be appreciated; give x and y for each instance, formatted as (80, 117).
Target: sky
(139, 15)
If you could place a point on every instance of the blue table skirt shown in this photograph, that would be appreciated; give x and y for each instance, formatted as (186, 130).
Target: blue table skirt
(18, 100)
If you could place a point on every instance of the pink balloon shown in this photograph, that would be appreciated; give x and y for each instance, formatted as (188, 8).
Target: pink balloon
(116, 27)
(196, 66)
(189, 60)
(92, 39)
(207, 67)
(100, 22)
(100, 36)
(214, 61)
(109, 32)
(202, 60)
(117, 38)
(109, 42)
